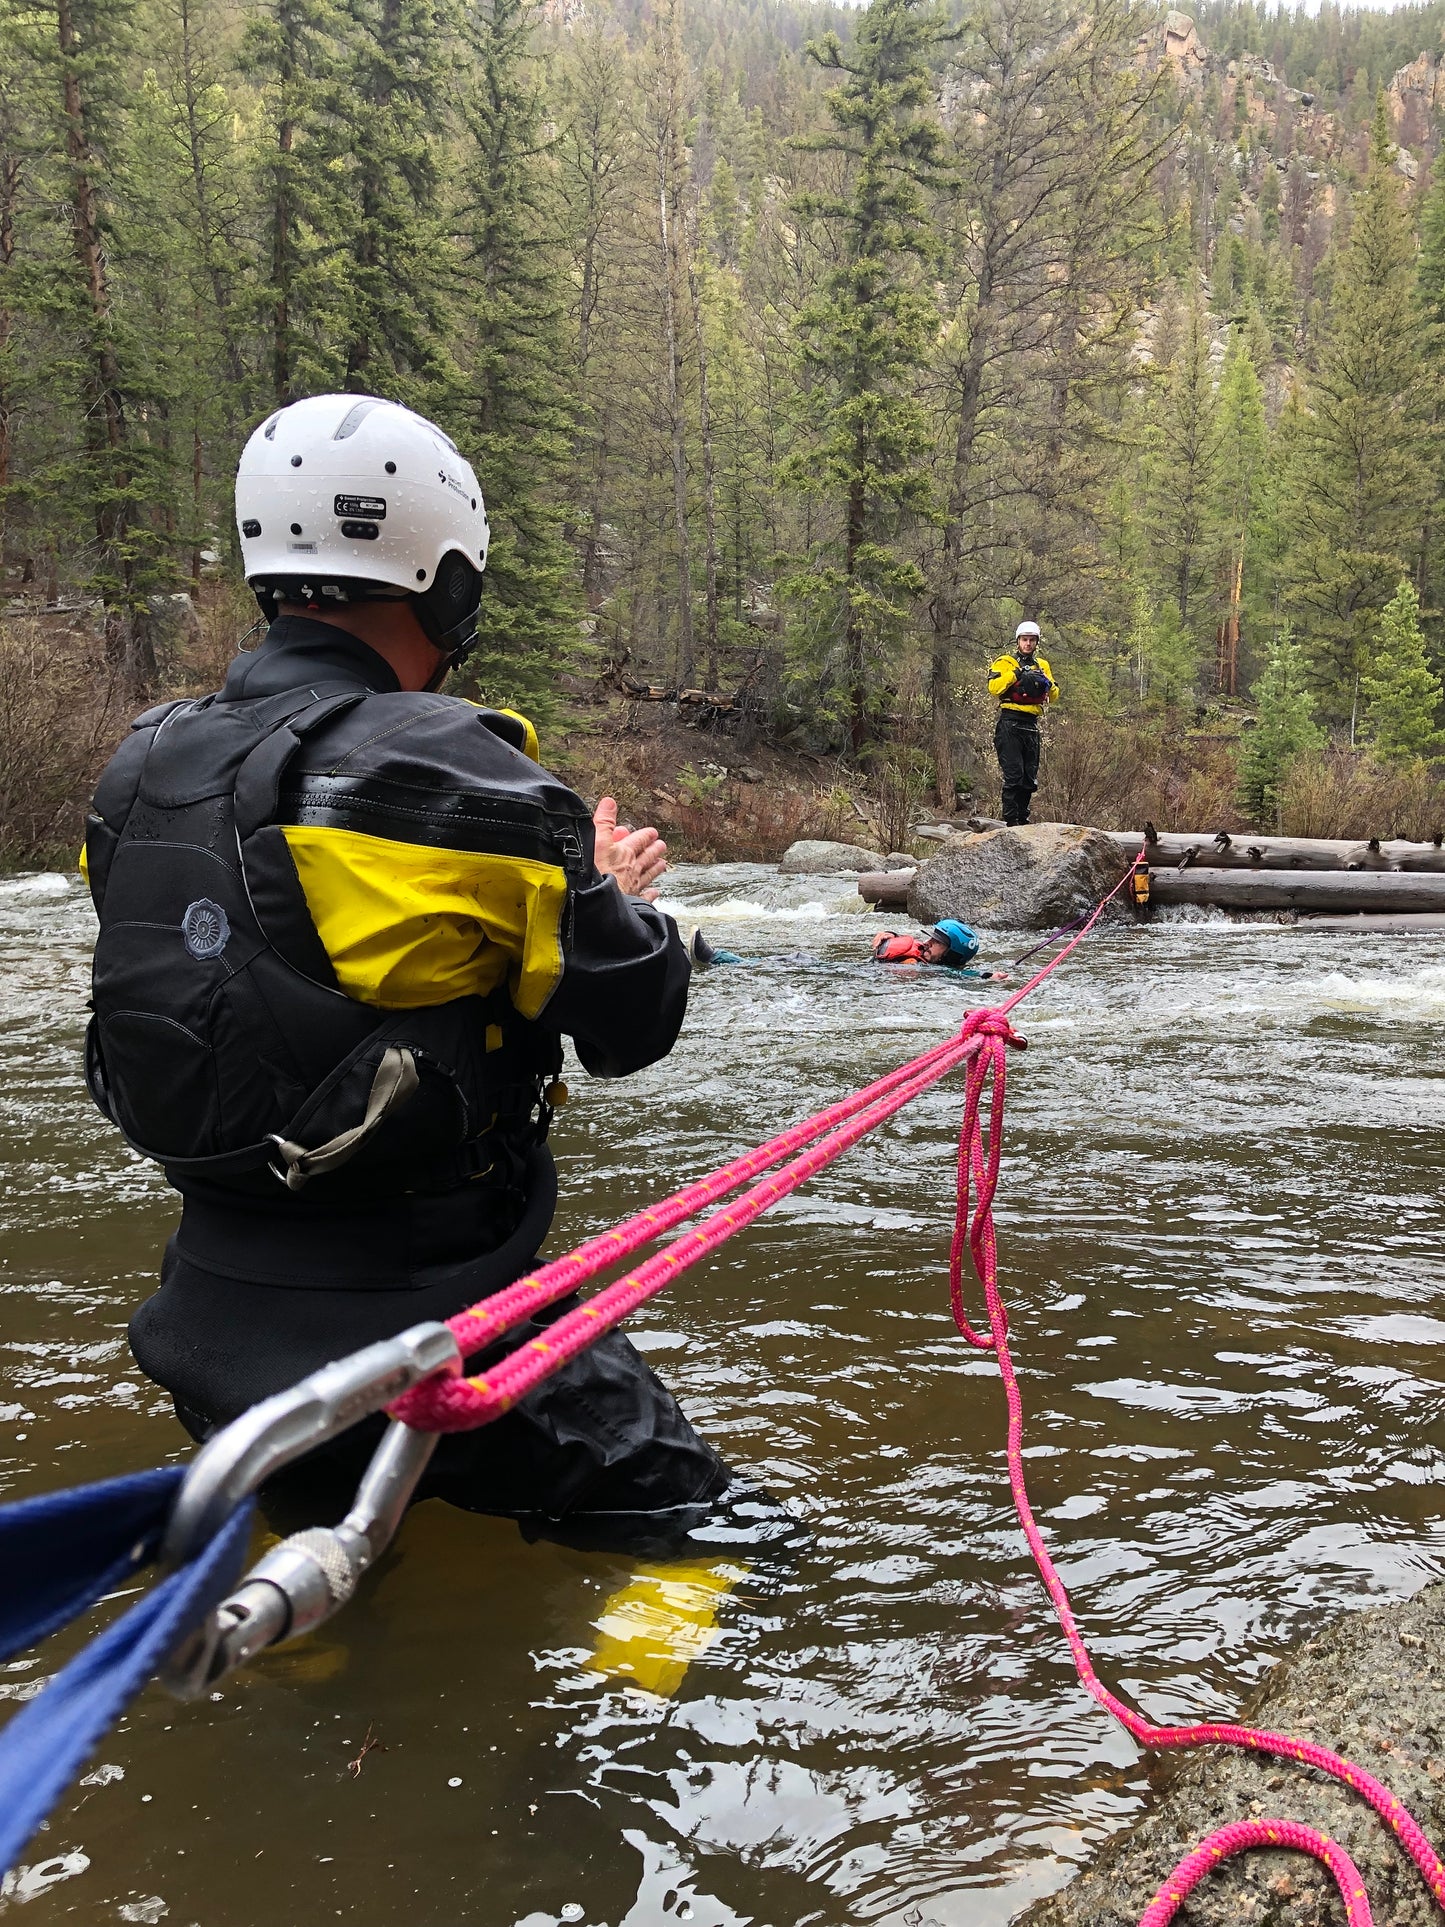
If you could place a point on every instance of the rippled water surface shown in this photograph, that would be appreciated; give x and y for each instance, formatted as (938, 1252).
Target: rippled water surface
(1222, 1247)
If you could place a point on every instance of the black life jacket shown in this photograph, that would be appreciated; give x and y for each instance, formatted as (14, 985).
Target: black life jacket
(221, 1043)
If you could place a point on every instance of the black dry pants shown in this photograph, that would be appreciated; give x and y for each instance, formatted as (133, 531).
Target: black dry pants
(1016, 741)
(599, 1455)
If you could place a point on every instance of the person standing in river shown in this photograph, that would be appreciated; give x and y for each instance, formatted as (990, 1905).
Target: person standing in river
(345, 923)
(1025, 686)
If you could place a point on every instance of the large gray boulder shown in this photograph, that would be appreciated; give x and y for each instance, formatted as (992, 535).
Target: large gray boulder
(1018, 879)
(809, 859)
(1369, 1688)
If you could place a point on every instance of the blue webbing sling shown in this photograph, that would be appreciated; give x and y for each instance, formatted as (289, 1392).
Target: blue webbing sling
(60, 1553)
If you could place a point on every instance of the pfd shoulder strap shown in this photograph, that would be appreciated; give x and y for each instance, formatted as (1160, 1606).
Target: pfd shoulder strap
(258, 781)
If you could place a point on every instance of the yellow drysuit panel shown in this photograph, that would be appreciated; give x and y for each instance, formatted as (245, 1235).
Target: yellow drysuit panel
(408, 925)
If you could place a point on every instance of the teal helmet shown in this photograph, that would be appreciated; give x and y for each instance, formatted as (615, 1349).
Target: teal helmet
(962, 942)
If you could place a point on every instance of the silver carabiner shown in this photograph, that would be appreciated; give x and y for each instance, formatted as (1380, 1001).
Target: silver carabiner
(306, 1578)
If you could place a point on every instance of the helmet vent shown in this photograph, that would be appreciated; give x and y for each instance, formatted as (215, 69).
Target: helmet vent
(353, 418)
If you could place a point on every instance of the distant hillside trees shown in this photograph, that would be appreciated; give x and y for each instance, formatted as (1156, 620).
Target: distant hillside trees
(801, 349)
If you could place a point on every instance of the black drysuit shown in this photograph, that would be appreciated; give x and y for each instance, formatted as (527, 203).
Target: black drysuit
(223, 1045)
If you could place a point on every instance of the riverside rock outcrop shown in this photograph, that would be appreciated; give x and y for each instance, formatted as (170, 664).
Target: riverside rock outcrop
(815, 859)
(1028, 878)
(1371, 1688)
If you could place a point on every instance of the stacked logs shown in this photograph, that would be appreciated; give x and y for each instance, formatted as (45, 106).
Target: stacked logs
(1332, 880)
(1324, 875)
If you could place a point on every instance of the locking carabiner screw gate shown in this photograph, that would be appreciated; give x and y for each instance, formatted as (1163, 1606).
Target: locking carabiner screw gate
(306, 1578)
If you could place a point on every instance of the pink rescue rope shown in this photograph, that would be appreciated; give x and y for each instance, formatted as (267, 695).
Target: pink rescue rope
(458, 1404)
(979, 1167)
(452, 1404)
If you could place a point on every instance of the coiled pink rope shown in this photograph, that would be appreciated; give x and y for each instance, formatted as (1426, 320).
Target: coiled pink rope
(449, 1404)
(978, 1169)
(1241, 1836)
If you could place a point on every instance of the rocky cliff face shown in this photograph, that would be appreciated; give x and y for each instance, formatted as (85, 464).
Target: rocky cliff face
(1413, 95)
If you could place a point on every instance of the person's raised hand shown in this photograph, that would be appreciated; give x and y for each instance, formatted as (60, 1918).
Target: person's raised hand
(637, 858)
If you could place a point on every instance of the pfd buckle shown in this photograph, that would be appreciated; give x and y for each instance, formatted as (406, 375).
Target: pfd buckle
(311, 1575)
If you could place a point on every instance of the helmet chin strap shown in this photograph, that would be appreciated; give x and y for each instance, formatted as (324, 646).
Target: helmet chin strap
(454, 644)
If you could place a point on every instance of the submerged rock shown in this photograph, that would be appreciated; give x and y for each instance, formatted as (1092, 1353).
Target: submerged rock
(1371, 1688)
(828, 859)
(1017, 879)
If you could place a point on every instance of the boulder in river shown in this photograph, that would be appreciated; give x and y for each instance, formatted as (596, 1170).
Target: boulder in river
(1372, 1688)
(810, 859)
(1028, 878)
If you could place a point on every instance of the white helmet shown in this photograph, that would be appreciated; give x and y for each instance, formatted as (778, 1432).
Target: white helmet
(347, 498)
(1027, 629)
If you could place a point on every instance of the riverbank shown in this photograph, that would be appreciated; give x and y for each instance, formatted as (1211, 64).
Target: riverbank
(726, 776)
(1371, 1688)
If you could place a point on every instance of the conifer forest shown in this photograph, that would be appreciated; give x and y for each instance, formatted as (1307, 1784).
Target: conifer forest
(801, 350)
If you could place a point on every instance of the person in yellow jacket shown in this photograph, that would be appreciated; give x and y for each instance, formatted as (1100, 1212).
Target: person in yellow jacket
(1025, 686)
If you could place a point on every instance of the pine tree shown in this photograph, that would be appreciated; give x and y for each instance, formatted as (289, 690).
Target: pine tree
(393, 82)
(864, 338)
(1037, 263)
(592, 153)
(1401, 691)
(1431, 293)
(1432, 245)
(1185, 437)
(513, 410)
(665, 96)
(1235, 487)
(191, 211)
(1285, 730)
(290, 52)
(119, 470)
(1364, 440)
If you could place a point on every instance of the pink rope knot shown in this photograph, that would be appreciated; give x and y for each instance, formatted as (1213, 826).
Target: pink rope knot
(992, 1021)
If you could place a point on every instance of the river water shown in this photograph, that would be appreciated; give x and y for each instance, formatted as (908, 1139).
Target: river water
(1222, 1247)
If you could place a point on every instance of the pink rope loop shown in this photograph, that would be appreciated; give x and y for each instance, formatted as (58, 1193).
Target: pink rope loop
(979, 1168)
(1242, 1836)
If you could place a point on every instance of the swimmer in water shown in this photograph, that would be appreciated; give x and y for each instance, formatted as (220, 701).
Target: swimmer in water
(949, 943)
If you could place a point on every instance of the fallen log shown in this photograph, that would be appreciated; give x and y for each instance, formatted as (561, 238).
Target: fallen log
(885, 889)
(1418, 923)
(1389, 890)
(1244, 851)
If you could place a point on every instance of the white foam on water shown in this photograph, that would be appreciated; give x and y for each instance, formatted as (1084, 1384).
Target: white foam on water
(741, 910)
(40, 883)
(1422, 991)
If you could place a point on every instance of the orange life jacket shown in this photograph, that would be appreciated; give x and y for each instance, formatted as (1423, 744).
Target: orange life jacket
(888, 947)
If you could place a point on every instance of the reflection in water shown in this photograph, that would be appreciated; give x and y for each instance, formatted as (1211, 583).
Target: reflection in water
(1221, 1246)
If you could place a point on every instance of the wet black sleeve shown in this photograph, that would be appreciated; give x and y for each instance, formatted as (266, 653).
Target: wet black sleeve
(623, 993)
